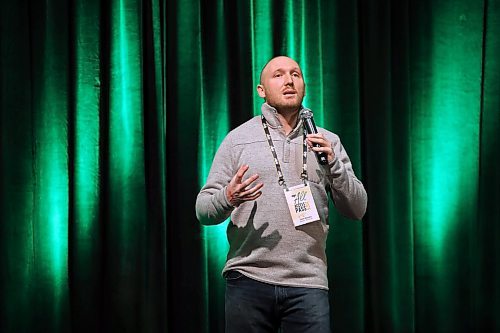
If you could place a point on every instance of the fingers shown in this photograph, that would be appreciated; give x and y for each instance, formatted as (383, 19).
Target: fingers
(239, 191)
(241, 172)
(319, 139)
(322, 149)
(316, 135)
(249, 181)
(253, 197)
(325, 145)
(246, 193)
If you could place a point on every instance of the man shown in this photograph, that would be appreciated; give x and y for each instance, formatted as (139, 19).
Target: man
(276, 193)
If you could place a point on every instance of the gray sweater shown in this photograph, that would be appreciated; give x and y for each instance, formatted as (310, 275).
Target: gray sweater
(264, 244)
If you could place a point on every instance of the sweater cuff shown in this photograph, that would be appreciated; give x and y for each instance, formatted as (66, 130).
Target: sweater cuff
(226, 205)
(335, 173)
(333, 169)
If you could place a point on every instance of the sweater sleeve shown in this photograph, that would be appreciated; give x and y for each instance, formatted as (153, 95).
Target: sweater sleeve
(212, 206)
(348, 193)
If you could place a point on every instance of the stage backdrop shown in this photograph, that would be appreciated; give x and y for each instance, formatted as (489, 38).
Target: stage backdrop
(111, 112)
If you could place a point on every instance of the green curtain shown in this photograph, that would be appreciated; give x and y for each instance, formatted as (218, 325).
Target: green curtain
(111, 112)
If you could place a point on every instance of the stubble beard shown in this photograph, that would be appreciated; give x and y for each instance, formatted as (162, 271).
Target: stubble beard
(289, 108)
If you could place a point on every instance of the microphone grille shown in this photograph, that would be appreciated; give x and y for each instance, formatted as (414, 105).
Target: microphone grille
(305, 113)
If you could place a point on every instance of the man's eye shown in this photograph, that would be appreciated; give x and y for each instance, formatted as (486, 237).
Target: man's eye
(296, 74)
(277, 75)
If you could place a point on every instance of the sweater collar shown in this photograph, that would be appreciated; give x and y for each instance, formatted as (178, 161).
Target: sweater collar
(271, 115)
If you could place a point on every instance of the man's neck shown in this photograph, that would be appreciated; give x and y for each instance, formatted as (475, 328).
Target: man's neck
(288, 120)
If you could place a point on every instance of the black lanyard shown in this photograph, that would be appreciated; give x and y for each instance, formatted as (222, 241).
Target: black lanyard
(281, 179)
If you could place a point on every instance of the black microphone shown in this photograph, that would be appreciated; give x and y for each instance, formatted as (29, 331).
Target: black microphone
(308, 121)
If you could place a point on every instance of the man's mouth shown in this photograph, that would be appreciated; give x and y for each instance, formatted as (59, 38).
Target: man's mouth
(289, 92)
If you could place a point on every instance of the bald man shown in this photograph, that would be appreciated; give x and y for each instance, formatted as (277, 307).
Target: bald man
(270, 183)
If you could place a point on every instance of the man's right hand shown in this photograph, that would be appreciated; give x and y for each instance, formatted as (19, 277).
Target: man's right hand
(238, 192)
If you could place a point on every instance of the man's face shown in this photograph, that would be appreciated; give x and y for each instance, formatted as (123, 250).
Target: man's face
(282, 84)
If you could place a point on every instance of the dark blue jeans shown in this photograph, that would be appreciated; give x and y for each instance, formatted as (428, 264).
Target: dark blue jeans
(253, 306)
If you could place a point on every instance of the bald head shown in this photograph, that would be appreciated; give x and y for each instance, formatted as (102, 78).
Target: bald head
(269, 65)
(281, 84)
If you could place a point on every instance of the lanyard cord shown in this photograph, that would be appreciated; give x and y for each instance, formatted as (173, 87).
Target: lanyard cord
(281, 179)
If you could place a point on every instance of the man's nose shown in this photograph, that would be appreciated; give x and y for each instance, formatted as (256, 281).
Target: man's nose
(288, 79)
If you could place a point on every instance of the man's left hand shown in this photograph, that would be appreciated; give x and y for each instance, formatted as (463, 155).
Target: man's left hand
(326, 146)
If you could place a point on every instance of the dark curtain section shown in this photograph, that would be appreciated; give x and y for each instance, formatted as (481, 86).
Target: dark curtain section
(486, 295)
(83, 232)
(111, 112)
(184, 263)
(386, 115)
(16, 171)
(341, 103)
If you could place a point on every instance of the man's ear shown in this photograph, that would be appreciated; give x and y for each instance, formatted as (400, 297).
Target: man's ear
(261, 91)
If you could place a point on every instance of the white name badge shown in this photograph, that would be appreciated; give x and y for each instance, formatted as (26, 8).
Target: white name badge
(301, 204)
